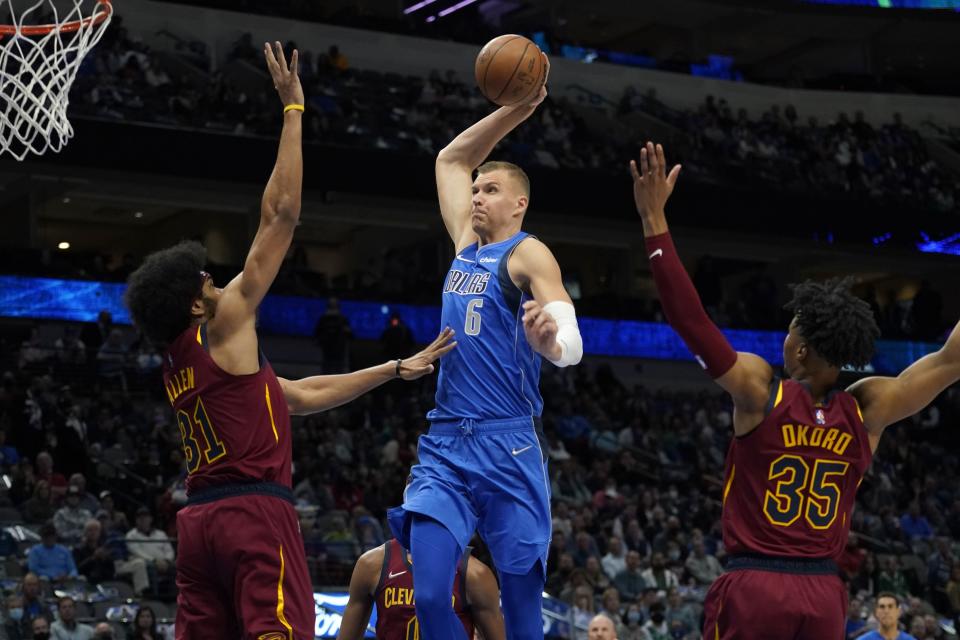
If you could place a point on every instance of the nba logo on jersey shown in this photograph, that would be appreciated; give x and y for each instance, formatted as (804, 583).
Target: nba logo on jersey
(821, 419)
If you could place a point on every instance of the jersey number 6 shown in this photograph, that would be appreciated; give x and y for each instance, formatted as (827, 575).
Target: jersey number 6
(471, 325)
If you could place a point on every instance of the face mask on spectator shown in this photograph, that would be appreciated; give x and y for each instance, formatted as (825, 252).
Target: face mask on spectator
(656, 617)
(15, 614)
(633, 617)
(43, 635)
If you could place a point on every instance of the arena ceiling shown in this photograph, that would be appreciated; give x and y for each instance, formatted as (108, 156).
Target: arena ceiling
(777, 39)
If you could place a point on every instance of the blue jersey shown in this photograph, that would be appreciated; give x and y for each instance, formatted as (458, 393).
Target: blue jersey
(493, 373)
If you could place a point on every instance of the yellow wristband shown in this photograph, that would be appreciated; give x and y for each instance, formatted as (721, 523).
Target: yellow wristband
(293, 107)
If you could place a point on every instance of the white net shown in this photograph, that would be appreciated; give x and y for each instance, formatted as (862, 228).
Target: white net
(42, 43)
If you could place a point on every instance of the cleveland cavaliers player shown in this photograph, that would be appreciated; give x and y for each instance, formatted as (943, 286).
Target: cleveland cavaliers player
(802, 445)
(241, 570)
(383, 578)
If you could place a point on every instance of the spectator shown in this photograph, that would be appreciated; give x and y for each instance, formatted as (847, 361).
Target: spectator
(855, 624)
(681, 617)
(953, 590)
(656, 628)
(152, 546)
(914, 525)
(112, 358)
(596, 576)
(611, 607)
(333, 334)
(144, 625)
(51, 560)
(15, 625)
(397, 338)
(70, 519)
(103, 631)
(41, 628)
(616, 560)
(602, 627)
(583, 611)
(887, 611)
(891, 579)
(9, 455)
(39, 508)
(561, 575)
(704, 567)
(30, 589)
(939, 564)
(658, 575)
(45, 471)
(336, 59)
(66, 627)
(88, 501)
(93, 559)
(630, 582)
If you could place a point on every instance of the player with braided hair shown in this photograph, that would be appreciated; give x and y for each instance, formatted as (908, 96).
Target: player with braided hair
(802, 445)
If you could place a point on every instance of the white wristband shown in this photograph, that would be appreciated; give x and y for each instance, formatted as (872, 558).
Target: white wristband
(568, 333)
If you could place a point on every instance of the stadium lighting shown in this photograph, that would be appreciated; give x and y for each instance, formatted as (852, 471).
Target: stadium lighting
(456, 7)
(419, 5)
(63, 246)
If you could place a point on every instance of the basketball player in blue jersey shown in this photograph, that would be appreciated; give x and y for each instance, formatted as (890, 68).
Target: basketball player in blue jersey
(482, 465)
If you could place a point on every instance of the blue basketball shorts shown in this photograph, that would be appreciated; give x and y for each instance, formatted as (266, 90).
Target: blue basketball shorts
(486, 476)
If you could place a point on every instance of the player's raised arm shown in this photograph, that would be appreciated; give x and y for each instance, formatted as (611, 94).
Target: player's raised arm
(886, 400)
(320, 393)
(280, 205)
(363, 582)
(549, 320)
(744, 376)
(483, 596)
(456, 162)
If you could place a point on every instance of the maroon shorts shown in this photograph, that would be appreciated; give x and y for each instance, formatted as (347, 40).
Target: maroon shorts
(763, 604)
(241, 569)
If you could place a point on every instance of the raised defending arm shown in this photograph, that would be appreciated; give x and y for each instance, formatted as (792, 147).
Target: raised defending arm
(456, 162)
(744, 376)
(886, 400)
(279, 207)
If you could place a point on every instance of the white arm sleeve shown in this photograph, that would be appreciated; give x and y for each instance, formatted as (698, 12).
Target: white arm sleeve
(568, 333)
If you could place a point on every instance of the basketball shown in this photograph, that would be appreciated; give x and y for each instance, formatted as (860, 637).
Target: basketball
(509, 69)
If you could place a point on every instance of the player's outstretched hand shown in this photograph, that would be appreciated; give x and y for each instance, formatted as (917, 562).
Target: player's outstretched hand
(542, 93)
(286, 79)
(652, 185)
(540, 329)
(421, 364)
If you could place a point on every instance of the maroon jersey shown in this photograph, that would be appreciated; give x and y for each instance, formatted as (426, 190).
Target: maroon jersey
(235, 429)
(396, 616)
(790, 484)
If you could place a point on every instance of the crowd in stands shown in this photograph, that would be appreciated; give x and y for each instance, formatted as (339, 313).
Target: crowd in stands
(123, 79)
(847, 156)
(636, 479)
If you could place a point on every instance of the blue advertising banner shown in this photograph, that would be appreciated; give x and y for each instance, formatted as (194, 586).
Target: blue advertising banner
(81, 301)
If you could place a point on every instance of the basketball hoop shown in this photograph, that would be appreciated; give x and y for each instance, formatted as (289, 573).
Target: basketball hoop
(38, 64)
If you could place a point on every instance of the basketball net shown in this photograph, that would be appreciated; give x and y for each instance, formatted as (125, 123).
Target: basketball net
(38, 64)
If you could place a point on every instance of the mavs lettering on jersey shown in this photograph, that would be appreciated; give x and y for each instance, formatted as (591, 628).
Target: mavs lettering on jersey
(493, 373)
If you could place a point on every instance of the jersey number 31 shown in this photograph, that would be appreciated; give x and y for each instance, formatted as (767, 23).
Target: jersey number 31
(192, 431)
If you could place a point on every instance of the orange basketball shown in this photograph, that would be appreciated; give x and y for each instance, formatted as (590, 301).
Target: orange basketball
(509, 70)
